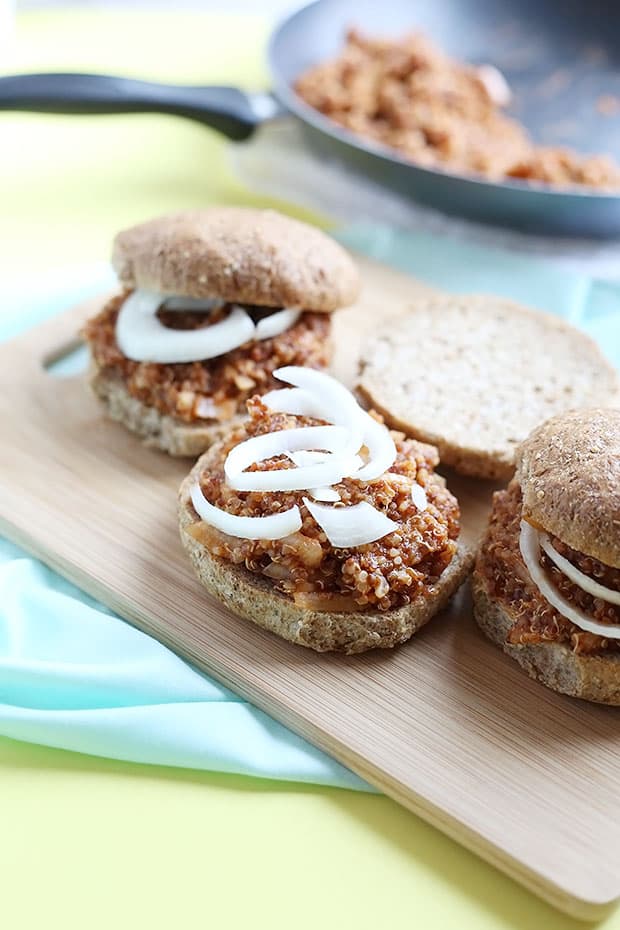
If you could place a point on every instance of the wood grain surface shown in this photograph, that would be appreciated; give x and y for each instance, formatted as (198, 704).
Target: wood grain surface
(447, 725)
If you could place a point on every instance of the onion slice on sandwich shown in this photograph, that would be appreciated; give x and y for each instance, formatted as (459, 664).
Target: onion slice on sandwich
(381, 449)
(142, 337)
(318, 394)
(332, 396)
(307, 457)
(265, 446)
(529, 544)
(274, 526)
(295, 401)
(334, 401)
(304, 457)
(583, 581)
(328, 495)
(347, 527)
(277, 323)
(418, 496)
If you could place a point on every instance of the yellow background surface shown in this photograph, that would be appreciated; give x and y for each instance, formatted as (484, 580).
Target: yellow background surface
(90, 843)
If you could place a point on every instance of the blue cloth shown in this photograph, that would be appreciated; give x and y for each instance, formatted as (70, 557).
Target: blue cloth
(75, 676)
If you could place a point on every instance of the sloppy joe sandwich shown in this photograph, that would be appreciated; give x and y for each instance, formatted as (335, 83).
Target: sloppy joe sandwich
(314, 521)
(475, 374)
(212, 301)
(547, 578)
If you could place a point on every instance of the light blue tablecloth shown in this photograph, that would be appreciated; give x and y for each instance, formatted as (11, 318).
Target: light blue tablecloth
(74, 676)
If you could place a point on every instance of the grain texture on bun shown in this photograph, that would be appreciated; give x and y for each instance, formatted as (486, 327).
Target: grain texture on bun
(474, 374)
(239, 255)
(569, 472)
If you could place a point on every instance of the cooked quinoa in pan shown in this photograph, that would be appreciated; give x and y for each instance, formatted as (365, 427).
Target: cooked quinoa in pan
(437, 112)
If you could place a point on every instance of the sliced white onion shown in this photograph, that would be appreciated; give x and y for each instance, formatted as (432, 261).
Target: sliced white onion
(495, 84)
(274, 526)
(143, 338)
(282, 442)
(381, 449)
(529, 545)
(418, 496)
(318, 394)
(277, 323)
(329, 392)
(347, 527)
(206, 408)
(295, 401)
(330, 396)
(329, 495)
(198, 304)
(306, 457)
(335, 403)
(583, 581)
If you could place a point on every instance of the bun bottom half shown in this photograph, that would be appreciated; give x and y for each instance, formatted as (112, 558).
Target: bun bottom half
(157, 430)
(589, 677)
(253, 597)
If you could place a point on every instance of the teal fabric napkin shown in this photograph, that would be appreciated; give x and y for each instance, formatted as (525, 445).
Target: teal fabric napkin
(75, 676)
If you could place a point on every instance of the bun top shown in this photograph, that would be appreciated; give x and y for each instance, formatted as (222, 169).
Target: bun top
(238, 255)
(569, 471)
(473, 374)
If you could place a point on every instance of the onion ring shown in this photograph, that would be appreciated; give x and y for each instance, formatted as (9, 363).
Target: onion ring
(274, 526)
(529, 545)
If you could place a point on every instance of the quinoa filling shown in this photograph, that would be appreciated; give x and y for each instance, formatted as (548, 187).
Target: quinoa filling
(438, 112)
(217, 388)
(383, 575)
(508, 580)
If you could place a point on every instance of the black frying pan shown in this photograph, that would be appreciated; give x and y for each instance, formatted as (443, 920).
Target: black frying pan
(559, 56)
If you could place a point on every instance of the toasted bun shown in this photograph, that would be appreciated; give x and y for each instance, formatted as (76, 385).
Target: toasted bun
(569, 472)
(239, 255)
(474, 375)
(593, 678)
(254, 598)
(156, 429)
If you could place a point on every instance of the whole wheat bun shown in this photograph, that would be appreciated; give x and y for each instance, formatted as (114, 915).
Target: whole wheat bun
(590, 677)
(239, 255)
(254, 598)
(569, 472)
(473, 375)
(157, 430)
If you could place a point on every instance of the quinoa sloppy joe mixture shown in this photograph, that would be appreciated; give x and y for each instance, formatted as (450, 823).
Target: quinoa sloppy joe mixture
(217, 388)
(508, 580)
(384, 574)
(435, 111)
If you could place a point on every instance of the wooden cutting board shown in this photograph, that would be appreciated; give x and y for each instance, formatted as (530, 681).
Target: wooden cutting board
(447, 725)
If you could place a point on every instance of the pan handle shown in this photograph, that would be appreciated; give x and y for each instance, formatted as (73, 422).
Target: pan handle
(226, 109)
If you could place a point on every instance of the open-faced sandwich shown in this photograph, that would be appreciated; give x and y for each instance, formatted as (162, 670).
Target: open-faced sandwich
(314, 521)
(213, 301)
(547, 579)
